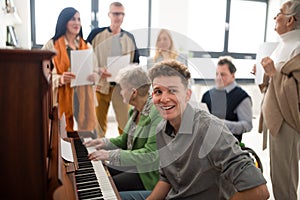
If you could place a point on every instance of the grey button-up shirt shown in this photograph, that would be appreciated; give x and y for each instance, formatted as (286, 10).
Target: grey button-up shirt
(203, 160)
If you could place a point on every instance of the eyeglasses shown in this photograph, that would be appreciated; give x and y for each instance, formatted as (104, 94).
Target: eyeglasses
(280, 13)
(116, 14)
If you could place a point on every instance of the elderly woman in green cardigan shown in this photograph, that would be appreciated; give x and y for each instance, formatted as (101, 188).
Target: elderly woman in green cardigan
(132, 157)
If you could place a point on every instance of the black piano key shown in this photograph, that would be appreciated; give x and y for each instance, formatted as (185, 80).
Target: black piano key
(85, 178)
(86, 181)
(94, 198)
(84, 171)
(88, 185)
(85, 164)
(89, 196)
(83, 159)
(94, 192)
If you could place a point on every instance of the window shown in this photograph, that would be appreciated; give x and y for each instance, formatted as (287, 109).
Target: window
(246, 28)
(215, 26)
(136, 14)
(202, 29)
(46, 13)
(212, 29)
(135, 19)
(206, 23)
(227, 27)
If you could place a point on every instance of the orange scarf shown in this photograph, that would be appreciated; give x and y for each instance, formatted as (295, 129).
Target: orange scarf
(86, 111)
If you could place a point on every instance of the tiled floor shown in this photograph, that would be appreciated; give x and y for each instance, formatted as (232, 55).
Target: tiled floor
(252, 139)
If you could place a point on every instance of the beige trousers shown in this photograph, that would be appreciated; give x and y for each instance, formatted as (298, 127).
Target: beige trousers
(120, 109)
(284, 161)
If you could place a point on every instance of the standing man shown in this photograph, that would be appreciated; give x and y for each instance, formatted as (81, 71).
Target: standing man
(107, 42)
(229, 101)
(281, 105)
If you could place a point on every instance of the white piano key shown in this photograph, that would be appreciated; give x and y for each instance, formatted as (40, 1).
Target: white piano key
(102, 176)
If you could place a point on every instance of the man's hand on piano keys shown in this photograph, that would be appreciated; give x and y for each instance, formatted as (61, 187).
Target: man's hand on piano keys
(97, 143)
(99, 155)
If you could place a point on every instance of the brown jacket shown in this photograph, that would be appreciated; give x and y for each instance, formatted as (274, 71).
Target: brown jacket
(101, 40)
(282, 99)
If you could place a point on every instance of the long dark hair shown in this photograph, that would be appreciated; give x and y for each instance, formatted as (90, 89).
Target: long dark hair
(61, 26)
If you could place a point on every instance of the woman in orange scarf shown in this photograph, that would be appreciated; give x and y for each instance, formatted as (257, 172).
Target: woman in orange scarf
(70, 100)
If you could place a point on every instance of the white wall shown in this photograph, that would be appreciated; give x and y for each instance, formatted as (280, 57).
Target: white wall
(23, 31)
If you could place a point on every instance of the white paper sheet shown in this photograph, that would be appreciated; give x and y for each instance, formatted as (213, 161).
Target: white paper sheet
(66, 150)
(81, 66)
(265, 49)
(114, 64)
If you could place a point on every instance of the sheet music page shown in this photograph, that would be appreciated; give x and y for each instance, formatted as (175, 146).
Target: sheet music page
(115, 63)
(66, 150)
(265, 49)
(81, 66)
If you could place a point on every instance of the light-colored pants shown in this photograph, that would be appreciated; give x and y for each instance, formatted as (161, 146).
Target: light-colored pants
(120, 109)
(284, 161)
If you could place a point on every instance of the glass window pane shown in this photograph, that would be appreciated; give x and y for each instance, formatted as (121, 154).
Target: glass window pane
(247, 26)
(136, 14)
(135, 19)
(206, 23)
(202, 22)
(45, 23)
(172, 15)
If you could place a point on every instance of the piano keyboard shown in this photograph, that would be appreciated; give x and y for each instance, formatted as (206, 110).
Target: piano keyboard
(92, 180)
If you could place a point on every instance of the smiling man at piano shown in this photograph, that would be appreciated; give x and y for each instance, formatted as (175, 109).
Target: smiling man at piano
(199, 156)
(133, 157)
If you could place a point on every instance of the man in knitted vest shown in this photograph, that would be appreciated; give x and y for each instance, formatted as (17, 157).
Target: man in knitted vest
(229, 101)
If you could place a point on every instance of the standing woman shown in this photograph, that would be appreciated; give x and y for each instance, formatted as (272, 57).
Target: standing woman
(68, 36)
(165, 49)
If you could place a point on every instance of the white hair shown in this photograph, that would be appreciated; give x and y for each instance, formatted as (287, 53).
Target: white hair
(133, 76)
(293, 9)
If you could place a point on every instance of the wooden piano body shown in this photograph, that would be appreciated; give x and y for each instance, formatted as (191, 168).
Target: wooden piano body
(31, 165)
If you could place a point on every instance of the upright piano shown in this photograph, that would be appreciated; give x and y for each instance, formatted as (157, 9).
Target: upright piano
(30, 152)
